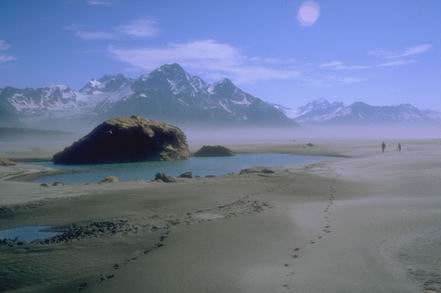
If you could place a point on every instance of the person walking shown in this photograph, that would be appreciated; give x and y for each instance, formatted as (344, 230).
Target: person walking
(399, 147)
(383, 147)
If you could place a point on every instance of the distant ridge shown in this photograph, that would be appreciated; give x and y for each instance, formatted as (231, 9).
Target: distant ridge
(321, 111)
(168, 93)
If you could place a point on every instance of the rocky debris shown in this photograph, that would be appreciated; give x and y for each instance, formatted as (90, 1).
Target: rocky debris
(243, 206)
(127, 139)
(164, 178)
(214, 151)
(93, 229)
(44, 185)
(110, 179)
(11, 209)
(10, 242)
(309, 144)
(187, 174)
(6, 162)
(254, 170)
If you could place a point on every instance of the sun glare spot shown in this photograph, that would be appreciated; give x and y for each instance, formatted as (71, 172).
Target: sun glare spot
(308, 14)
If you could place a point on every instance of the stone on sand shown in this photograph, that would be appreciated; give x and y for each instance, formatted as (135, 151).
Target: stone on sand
(213, 151)
(110, 179)
(254, 170)
(6, 162)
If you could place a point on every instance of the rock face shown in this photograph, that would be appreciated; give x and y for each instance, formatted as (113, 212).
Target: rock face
(127, 139)
(214, 151)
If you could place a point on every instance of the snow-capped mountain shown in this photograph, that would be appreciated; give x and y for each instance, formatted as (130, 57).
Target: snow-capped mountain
(30, 101)
(318, 111)
(322, 111)
(168, 93)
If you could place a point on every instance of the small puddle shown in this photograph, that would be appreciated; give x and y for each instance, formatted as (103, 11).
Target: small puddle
(28, 233)
(208, 216)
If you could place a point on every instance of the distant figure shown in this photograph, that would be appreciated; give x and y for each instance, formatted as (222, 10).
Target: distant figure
(383, 146)
(399, 147)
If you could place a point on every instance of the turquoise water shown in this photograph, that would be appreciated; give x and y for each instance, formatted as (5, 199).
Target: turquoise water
(28, 233)
(198, 165)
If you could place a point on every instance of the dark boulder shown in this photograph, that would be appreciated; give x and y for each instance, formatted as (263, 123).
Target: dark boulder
(127, 139)
(213, 151)
(164, 178)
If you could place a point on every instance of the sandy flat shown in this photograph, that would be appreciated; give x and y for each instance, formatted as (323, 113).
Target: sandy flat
(363, 222)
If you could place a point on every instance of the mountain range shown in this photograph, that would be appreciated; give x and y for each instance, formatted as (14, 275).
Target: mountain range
(168, 93)
(323, 112)
(171, 94)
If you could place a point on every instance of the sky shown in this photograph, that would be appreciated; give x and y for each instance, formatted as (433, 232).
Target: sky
(287, 52)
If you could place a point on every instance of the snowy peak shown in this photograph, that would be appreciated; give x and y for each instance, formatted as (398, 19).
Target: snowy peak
(30, 101)
(318, 111)
(106, 84)
(172, 70)
(170, 79)
(324, 112)
(319, 106)
(224, 86)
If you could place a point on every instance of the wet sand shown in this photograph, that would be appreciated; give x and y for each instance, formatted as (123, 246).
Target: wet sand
(363, 222)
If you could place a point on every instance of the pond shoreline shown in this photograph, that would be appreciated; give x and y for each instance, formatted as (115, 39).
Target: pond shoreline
(200, 166)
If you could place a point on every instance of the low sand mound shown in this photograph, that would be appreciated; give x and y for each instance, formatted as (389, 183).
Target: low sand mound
(127, 139)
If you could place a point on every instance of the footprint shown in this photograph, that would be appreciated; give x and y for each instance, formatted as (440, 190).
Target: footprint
(296, 249)
(295, 256)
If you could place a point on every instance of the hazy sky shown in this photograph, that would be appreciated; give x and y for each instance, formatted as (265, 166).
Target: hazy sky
(284, 51)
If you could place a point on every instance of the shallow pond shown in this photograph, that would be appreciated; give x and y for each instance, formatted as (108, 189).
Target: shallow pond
(201, 166)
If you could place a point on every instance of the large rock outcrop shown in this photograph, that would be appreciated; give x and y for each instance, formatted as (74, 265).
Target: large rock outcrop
(127, 139)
